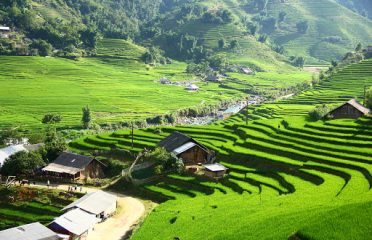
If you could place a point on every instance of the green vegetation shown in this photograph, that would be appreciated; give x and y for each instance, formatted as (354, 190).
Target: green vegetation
(22, 205)
(288, 176)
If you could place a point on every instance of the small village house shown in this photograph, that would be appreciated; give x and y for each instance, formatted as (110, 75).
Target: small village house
(213, 78)
(100, 204)
(192, 87)
(76, 224)
(4, 32)
(32, 231)
(351, 109)
(246, 70)
(215, 170)
(187, 148)
(74, 167)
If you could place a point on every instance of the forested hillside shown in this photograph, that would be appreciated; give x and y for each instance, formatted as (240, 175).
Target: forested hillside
(317, 31)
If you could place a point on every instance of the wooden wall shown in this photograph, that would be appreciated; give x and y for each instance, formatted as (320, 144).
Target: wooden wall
(346, 111)
(194, 156)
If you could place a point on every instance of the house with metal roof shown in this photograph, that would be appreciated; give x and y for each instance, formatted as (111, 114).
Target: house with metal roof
(350, 109)
(99, 203)
(188, 149)
(9, 151)
(192, 87)
(32, 231)
(215, 170)
(75, 167)
(75, 223)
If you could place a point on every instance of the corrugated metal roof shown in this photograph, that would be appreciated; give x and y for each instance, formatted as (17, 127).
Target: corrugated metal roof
(33, 231)
(76, 221)
(70, 163)
(173, 141)
(358, 106)
(215, 167)
(9, 151)
(4, 28)
(184, 148)
(95, 202)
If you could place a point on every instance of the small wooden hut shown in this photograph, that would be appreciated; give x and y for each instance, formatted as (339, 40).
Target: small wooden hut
(186, 148)
(75, 167)
(351, 109)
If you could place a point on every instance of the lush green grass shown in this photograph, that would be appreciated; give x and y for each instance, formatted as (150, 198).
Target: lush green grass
(116, 85)
(30, 205)
(309, 178)
(326, 19)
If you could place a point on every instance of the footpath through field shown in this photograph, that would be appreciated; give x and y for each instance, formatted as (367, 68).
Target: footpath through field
(129, 211)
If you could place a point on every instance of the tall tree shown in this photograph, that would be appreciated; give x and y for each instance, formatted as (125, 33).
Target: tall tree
(87, 118)
(368, 99)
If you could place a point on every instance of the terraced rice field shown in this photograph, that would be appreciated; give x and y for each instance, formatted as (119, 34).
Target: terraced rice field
(288, 176)
(116, 85)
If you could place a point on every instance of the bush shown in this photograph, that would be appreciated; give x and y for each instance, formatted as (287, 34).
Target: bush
(369, 98)
(51, 118)
(320, 112)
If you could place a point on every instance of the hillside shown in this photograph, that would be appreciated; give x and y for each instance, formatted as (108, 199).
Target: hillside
(306, 179)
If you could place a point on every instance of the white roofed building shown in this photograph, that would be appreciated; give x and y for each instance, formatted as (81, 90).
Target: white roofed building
(9, 151)
(215, 170)
(32, 231)
(75, 223)
(100, 204)
(192, 87)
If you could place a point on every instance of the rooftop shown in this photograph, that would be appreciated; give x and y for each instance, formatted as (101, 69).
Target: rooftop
(215, 167)
(76, 221)
(33, 231)
(95, 202)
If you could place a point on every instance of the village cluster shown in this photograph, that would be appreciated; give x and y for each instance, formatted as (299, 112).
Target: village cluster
(78, 220)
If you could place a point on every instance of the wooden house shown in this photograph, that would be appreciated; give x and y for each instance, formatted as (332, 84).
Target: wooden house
(99, 203)
(187, 148)
(75, 167)
(351, 109)
(215, 170)
(32, 231)
(76, 224)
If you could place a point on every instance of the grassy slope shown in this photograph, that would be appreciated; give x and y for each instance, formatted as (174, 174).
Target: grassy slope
(312, 177)
(31, 205)
(326, 18)
(116, 85)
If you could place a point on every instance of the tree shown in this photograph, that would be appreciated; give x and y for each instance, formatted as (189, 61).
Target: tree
(54, 144)
(221, 43)
(86, 119)
(368, 99)
(302, 26)
(10, 135)
(234, 44)
(319, 112)
(282, 16)
(299, 62)
(44, 48)
(22, 163)
(358, 47)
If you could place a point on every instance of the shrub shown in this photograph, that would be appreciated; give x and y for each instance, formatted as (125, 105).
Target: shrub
(51, 118)
(369, 98)
(319, 112)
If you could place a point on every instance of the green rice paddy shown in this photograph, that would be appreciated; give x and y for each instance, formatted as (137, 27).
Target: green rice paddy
(289, 176)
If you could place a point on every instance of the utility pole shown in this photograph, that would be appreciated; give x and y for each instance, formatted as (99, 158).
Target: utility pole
(365, 92)
(132, 135)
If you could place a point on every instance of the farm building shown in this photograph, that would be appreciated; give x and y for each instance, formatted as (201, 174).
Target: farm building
(75, 167)
(76, 224)
(192, 87)
(186, 148)
(215, 170)
(100, 204)
(350, 109)
(246, 70)
(4, 31)
(32, 231)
